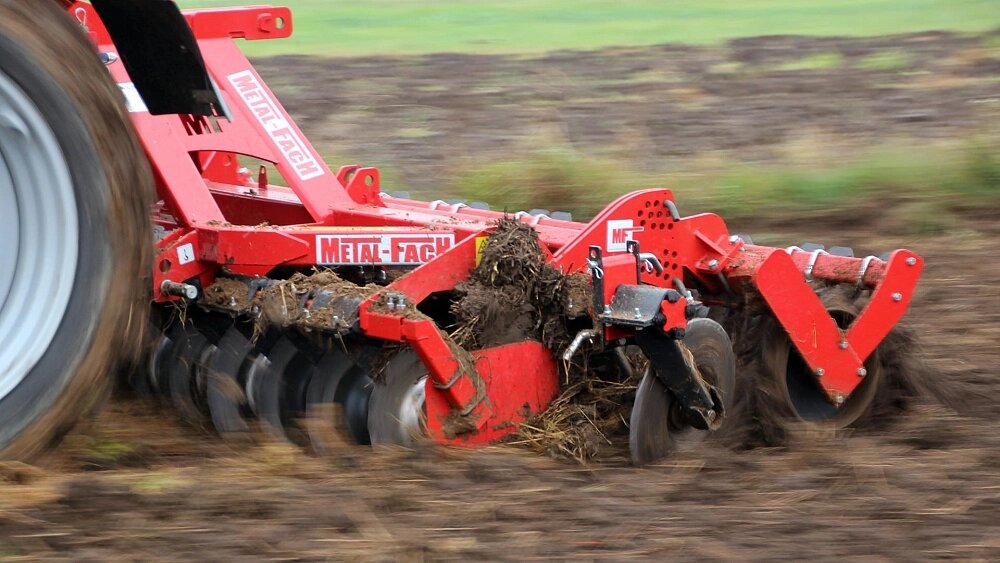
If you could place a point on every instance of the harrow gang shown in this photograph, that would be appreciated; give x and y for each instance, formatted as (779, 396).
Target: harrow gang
(232, 241)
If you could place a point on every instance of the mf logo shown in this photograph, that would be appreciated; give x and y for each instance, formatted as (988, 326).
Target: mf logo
(619, 233)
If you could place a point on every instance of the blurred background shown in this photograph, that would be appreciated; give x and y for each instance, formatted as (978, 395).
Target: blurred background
(869, 123)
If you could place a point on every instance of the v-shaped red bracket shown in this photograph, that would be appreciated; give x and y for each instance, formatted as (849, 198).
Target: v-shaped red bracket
(835, 354)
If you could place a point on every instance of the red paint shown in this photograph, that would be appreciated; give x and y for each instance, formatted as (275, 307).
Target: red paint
(321, 217)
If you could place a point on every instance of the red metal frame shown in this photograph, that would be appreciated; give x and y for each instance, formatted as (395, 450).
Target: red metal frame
(215, 211)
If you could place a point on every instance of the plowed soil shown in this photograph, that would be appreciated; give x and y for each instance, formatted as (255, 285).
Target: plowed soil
(133, 484)
(753, 100)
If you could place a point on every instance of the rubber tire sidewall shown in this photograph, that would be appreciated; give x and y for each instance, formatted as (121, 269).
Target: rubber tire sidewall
(39, 47)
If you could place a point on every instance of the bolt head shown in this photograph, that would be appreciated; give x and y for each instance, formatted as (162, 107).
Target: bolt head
(911, 261)
(843, 345)
(897, 297)
(820, 372)
(713, 264)
(862, 372)
(734, 239)
(838, 399)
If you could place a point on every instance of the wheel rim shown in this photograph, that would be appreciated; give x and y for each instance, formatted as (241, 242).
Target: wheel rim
(38, 227)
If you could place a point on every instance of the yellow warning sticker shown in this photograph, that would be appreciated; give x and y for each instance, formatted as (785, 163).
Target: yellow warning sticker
(480, 244)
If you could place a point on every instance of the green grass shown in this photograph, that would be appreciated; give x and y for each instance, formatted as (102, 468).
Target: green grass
(336, 28)
(819, 61)
(896, 59)
(919, 187)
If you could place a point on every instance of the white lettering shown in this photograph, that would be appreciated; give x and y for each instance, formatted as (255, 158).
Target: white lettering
(273, 121)
(381, 249)
(620, 232)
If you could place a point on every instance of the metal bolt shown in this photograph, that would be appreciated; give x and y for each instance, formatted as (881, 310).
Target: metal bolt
(400, 302)
(607, 310)
(638, 314)
(911, 261)
(734, 239)
(710, 415)
(838, 399)
(232, 301)
(843, 345)
(897, 297)
(713, 264)
(820, 372)
(862, 372)
(307, 313)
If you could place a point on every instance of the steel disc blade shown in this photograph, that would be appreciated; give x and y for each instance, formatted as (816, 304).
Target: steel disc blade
(712, 352)
(354, 392)
(395, 410)
(265, 386)
(325, 423)
(649, 425)
(143, 379)
(799, 390)
(278, 392)
(190, 351)
(162, 359)
(224, 393)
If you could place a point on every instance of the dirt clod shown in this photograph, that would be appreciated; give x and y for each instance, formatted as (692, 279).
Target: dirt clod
(515, 294)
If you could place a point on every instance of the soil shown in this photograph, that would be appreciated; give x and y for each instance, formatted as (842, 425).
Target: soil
(133, 484)
(923, 485)
(281, 304)
(514, 295)
(653, 108)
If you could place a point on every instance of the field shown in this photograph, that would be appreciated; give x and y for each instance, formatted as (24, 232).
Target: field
(876, 142)
(532, 26)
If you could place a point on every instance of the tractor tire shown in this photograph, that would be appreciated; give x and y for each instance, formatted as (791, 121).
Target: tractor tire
(75, 234)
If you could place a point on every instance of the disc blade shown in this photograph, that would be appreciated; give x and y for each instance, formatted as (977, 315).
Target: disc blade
(649, 426)
(395, 410)
(324, 416)
(224, 394)
(190, 350)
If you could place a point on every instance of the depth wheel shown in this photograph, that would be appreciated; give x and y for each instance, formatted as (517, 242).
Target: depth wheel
(74, 227)
(655, 426)
(396, 411)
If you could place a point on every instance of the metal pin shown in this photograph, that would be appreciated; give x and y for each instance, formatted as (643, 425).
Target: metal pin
(911, 261)
(638, 314)
(713, 264)
(843, 345)
(820, 372)
(897, 297)
(862, 372)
